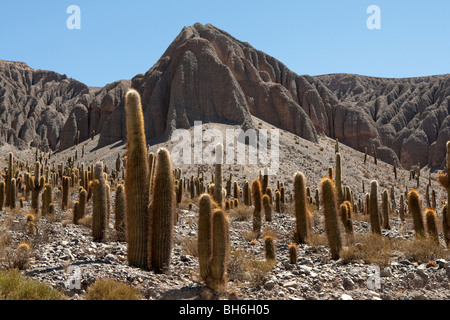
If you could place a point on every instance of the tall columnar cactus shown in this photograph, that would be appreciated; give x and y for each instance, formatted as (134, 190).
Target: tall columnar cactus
(331, 217)
(257, 201)
(47, 198)
(267, 208)
(213, 244)
(136, 183)
(346, 212)
(162, 213)
(9, 176)
(270, 250)
(444, 178)
(204, 241)
(2, 194)
(265, 180)
(65, 192)
(431, 219)
(373, 208)
(82, 199)
(100, 204)
(36, 184)
(218, 176)
(245, 193)
(338, 180)
(12, 191)
(278, 201)
(415, 209)
(302, 215)
(236, 190)
(401, 210)
(446, 225)
(119, 213)
(385, 210)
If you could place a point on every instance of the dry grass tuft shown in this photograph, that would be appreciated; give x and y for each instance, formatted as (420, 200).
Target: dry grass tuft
(109, 289)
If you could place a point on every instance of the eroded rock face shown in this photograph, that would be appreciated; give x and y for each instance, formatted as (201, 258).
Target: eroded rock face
(409, 116)
(34, 104)
(207, 75)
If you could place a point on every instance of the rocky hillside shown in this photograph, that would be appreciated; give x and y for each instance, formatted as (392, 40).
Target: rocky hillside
(207, 75)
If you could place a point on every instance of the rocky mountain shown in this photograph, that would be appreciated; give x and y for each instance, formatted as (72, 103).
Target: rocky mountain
(207, 75)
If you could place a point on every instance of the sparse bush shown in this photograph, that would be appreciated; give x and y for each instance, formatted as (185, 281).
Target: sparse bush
(109, 289)
(15, 286)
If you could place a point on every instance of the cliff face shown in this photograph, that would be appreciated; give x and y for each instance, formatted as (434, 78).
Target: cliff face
(411, 116)
(207, 75)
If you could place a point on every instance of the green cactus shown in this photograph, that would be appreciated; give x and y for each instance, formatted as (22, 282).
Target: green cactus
(446, 225)
(346, 213)
(218, 176)
(415, 210)
(302, 215)
(267, 208)
(162, 214)
(270, 250)
(331, 219)
(278, 201)
(213, 242)
(100, 202)
(119, 213)
(36, 184)
(385, 209)
(2, 194)
(338, 180)
(245, 193)
(431, 219)
(136, 183)
(292, 249)
(257, 201)
(65, 192)
(47, 198)
(373, 208)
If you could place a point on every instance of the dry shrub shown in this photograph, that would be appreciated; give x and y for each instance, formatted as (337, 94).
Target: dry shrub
(241, 213)
(15, 286)
(109, 289)
(421, 250)
(243, 266)
(370, 248)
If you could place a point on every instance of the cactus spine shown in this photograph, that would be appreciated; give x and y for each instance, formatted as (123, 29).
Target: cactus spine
(162, 213)
(136, 183)
(331, 219)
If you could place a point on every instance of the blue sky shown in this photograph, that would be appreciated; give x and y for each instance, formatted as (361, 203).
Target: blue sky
(119, 39)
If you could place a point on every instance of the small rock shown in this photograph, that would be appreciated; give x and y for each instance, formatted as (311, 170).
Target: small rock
(348, 284)
(386, 272)
(290, 284)
(406, 262)
(346, 297)
(269, 285)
